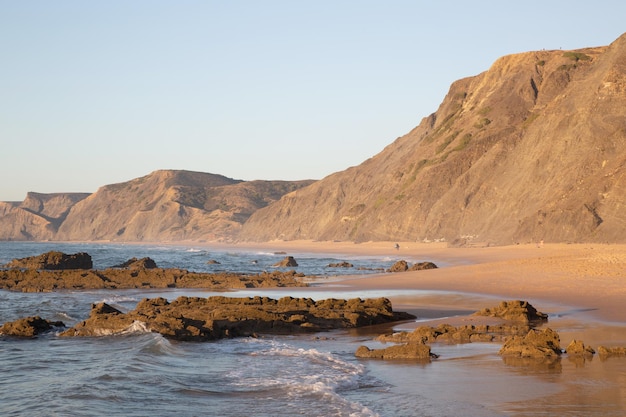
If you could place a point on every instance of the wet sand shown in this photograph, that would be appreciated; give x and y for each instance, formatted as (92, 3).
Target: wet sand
(589, 277)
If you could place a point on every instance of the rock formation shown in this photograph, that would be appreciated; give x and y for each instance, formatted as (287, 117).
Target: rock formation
(537, 344)
(29, 327)
(36, 280)
(164, 205)
(402, 266)
(38, 217)
(199, 319)
(469, 172)
(56, 270)
(419, 351)
(134, 263)
(516, 310)
(287, 262)
(53, 260)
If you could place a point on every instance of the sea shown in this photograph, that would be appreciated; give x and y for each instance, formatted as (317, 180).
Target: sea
(139, 373)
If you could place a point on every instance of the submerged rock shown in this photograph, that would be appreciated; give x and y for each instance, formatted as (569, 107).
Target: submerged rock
(342, 264)
(134, 263)
(288, 261)
(194, 318)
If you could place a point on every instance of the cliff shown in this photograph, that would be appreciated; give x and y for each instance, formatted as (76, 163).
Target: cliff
(162, 206)
(532, 149)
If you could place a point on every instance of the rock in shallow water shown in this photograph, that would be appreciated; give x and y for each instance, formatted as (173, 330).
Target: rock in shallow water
(29, 327)
(198, 319)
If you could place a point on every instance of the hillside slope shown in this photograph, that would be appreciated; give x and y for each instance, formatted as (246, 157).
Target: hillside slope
(38, 217)
(162, 206)
(534, 148)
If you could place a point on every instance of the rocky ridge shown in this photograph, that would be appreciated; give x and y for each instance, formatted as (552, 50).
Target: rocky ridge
(55, 271)
(164, 205)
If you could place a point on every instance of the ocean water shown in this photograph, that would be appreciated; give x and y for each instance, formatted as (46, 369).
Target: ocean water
(143, 374)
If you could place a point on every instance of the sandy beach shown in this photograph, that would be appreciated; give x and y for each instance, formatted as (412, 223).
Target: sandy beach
(585, 276)
(582, 286)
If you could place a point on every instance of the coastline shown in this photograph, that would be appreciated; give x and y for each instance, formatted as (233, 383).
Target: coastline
(585, 276)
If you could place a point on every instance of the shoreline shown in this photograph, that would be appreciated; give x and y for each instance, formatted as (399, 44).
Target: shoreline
(589, 277)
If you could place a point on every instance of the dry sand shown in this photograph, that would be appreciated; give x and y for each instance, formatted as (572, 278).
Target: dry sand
(589, 277)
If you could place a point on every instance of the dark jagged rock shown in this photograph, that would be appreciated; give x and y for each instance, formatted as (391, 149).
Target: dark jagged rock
(536, 344)
(288, 261)
(53, 260)
(29, 326)
(419, 351)
(198, 319)
(134, 263)
(521, 311)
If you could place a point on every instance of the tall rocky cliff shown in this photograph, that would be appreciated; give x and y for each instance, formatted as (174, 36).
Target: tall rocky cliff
(162, 206)
(534, 148)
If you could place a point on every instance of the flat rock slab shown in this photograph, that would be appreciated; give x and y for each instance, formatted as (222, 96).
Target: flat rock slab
(36, 280)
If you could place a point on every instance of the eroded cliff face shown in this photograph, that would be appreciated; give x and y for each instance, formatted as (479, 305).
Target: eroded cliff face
(534, 148)
(38, 217)
(162, 206)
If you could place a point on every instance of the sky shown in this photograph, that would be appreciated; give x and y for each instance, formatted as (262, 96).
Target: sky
(101, 92)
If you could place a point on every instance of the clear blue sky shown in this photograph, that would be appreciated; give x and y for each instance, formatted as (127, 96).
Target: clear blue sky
(100, 92)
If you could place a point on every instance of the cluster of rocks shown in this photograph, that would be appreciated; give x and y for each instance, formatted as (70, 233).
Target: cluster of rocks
(521, 340)
(403, 266)
(55, 270)
(203, 319)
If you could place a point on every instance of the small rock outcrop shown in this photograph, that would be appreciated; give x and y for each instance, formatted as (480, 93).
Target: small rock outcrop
(29, 327)
(134, 263)
(519, 311)
(538, 344)
(446, 333)
(402, 266)
(53, 260)
(606, 352)
(199, 319)
(343, 264)
(419, 351)
(399, 266)
(421, 266)
(578, 348)
(287, 262)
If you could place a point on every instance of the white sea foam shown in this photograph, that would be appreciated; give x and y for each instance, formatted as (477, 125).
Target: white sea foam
(119, 299)
(136, 327)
